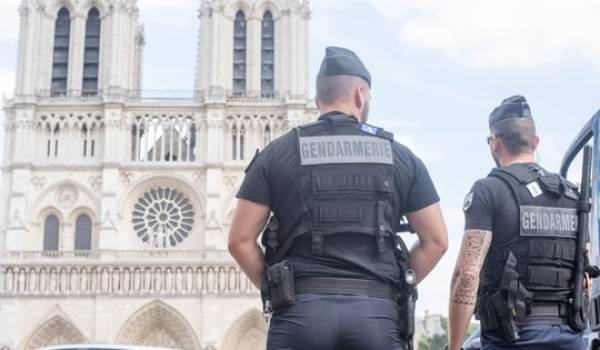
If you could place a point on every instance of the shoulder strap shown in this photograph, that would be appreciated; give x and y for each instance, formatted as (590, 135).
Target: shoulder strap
(523, 174)
(375, 131)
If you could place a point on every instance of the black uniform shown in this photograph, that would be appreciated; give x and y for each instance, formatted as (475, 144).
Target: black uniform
(527, 278)
(338, 190)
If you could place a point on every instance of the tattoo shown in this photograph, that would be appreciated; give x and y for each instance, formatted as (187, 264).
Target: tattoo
(465, 280)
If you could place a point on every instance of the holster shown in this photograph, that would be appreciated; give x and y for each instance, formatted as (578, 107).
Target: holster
(406, 304)
(278, 285)
(506, 318)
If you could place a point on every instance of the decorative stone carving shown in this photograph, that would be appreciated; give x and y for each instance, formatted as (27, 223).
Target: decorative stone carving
(126, 177)
(230, 182)
(38, 182)
(96, 183)
(66, 196)
(163, 217)
(199, 179)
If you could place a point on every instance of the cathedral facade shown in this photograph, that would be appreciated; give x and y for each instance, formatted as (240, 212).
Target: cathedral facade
(114, 204)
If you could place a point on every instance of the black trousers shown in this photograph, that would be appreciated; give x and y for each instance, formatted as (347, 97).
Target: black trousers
(332, 322)
(542, 337)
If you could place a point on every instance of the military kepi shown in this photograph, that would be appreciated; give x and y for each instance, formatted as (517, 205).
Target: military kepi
(511, 108)
(341, 61)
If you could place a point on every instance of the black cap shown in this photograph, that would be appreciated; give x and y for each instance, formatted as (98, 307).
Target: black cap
(341, 61)
(511, 108)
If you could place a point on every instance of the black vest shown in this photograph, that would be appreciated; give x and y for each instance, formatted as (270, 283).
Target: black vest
(538, 263)
(347, 181)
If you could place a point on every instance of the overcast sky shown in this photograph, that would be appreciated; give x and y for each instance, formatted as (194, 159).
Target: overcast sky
(439, 67)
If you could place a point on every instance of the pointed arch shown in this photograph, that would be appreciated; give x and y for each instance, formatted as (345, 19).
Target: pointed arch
(91, 58)
(158, 324)
(240, 30)
(60, 63)
(56, 330)
(51, 233)
(267, 86)
(249, 332)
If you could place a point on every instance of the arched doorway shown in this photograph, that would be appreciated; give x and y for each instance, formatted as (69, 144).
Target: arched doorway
(158, 324)
(55, 331)
(249, 332)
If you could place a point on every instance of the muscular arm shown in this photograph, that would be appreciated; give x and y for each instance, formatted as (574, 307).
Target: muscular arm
(465, 284)
(433, 239)
(246, 226)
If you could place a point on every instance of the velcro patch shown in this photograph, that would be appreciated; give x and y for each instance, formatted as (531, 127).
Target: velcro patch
(344, 149)
(549, 222)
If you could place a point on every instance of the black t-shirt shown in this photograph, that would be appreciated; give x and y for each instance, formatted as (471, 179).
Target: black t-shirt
(274, 173)
(491, 206)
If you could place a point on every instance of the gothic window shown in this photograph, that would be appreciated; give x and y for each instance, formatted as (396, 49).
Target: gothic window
(91, 58)
(163, 217)
(242, 132)
(268, 56)
(60, 65)
(53, 142)
(51, 233)
(239, 54)
(83, 233)
(234, 142)
(267, 136)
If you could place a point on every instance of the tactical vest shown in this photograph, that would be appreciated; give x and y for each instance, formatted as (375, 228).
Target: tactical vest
(347, 180)
(537, 265)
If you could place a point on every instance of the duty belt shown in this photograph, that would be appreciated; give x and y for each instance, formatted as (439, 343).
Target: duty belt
(347, 286)
(539, 313)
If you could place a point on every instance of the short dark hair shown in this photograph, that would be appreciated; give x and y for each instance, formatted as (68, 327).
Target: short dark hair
(336, 87)
(517, 134)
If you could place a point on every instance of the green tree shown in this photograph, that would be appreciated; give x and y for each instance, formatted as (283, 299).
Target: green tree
(438, 341)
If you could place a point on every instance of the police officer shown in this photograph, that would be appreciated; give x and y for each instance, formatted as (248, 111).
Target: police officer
(517, 262)
(337, 189)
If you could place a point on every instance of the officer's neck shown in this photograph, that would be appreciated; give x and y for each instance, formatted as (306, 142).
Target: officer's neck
(324, 109)
(508, 159)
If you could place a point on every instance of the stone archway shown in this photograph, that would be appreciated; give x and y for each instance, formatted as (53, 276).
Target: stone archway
(249, 332)
(158, 324)
(55, 331)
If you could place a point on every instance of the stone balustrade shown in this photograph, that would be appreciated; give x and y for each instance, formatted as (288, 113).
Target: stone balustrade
(125, 273)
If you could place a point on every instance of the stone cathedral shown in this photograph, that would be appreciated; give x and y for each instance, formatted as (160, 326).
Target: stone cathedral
(115, 204)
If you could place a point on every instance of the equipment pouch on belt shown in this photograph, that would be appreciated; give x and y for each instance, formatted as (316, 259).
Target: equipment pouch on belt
(280, 281)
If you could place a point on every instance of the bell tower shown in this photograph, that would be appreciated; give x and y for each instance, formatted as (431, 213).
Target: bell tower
(253, 48)
(78, 48)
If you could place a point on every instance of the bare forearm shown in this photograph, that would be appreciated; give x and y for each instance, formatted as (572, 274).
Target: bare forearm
(433, 239)
(251, 260)
(423, 258)
(459, 318)
(465, 284)
(463, 296)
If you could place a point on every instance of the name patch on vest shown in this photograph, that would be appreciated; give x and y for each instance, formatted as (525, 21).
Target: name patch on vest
(344, 149)
(548, 222)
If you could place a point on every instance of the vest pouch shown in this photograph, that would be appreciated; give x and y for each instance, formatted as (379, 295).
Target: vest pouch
(280, 280)
(352, 181)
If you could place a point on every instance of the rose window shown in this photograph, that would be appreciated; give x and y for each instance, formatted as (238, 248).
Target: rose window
(163, 217)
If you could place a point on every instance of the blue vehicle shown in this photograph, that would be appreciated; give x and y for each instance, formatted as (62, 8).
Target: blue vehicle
(589, 138)
(473, 342)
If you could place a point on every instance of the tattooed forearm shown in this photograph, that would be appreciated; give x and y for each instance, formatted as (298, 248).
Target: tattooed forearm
(465, 280)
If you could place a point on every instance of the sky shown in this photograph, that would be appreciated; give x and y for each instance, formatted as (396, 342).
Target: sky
(439, 67)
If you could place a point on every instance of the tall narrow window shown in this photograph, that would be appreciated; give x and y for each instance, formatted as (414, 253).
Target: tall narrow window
(242, 134)
(83, 233)
(239, 54)
(51, 233)
(267, 88)
(91, 58)
(234, 143)
(60, 63)
(267, 136)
